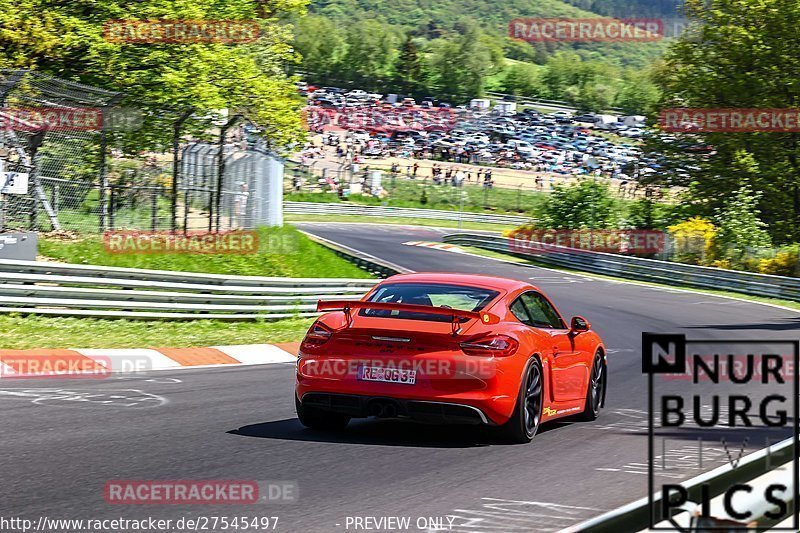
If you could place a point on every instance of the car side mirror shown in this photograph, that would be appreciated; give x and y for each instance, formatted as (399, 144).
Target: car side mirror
(579, 324)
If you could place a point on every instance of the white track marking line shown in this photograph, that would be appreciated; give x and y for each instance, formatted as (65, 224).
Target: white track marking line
(445, 247)
(401, 269)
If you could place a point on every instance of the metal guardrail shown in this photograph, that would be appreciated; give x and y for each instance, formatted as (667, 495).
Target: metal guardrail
(313, 208)
(107, 292)
(770, 465)
(554, 104)
(641, 269)
(543, 102)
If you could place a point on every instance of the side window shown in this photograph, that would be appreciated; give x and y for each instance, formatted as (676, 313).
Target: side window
(518, 310)
(543, 315)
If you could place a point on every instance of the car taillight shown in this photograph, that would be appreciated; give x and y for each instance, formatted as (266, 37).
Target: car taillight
(494, 346)
(318, 334)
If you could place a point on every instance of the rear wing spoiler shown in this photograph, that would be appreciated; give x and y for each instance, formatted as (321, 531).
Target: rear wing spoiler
(454, 314)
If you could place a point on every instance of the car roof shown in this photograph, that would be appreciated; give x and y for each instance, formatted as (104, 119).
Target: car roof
(475, 280)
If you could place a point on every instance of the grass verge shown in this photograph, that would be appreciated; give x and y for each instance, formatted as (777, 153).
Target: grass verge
(283, 252)
(400, 221)
(19, 333)
(423, 194)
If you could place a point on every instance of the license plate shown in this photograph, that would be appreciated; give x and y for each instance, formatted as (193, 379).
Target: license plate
(387, 375)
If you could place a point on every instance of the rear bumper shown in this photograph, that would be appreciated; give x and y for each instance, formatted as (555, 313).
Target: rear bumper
(486, 385)
(359, 406)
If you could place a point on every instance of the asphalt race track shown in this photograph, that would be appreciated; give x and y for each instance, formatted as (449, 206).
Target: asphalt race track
(61, 441)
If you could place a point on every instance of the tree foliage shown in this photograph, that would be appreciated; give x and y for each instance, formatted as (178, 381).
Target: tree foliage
(740, 54)
(409, 65)
(320, 43)
(372, 48)
(450, 37)
(66, 39)
(570, 207)
(522, 79)
(460, 64)
(741, 231)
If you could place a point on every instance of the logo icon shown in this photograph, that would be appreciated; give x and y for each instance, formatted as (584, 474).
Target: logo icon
(663, 353)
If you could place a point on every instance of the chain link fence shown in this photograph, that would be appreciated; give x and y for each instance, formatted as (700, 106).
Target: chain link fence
(315, 183)
(251, 188)
(95, 161)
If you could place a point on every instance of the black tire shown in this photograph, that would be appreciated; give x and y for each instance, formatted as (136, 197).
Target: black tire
(314, 418)
(596, 391)
(524, 422)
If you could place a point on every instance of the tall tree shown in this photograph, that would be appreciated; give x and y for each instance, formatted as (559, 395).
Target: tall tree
(740, 228)
(638, 94)
(521, 79)
(322, 46)
(589, 84)
(741, 54)
(460, 64)
(409, 67)
(371, 52)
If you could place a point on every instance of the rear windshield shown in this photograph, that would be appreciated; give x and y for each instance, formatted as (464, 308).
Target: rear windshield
(433, 294)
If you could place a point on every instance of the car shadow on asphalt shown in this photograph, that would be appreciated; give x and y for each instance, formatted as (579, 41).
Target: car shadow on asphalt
(381, 433)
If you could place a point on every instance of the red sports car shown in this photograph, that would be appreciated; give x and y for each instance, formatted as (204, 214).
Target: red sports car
(450, 348)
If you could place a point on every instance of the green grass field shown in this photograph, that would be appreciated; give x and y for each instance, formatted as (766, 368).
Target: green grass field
(417, 193)
(283, 252)
(401, 221)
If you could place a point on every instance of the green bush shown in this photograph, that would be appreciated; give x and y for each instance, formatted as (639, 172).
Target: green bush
(741, 234)
(570, 207)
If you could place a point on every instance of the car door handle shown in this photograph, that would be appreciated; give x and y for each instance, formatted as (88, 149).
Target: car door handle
(555, 351)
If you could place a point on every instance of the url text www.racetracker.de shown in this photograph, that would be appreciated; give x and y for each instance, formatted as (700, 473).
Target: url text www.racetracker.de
(46, 524)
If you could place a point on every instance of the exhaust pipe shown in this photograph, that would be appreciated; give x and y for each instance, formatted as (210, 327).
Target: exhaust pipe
(383, 409)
